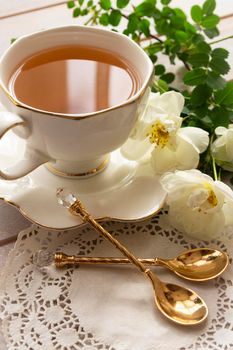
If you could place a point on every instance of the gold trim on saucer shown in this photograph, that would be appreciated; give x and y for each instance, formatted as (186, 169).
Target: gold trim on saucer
(93, 171)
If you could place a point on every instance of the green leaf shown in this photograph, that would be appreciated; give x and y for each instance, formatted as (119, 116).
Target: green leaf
(133, 23)
(145, 9)
(219, 52)
(210, 22)
(185, 111)
(195, 77)
(135, 37)
(13, 40)
(80, 2)
(211, 33)
(168, 12)
(199, 59)
(105, 4)
(159, 69)
(162, 86)
(168, 77)
(70, 4)
(153, 58)
(206, 122)
(200, 95)
(122, 3)
(209, 7)
(115, 18)
(220, 117)
(193, 123)
(219, 65)
(225, 96)
(153, 48)
(181, 36)
(84, 12)
(201, 111)
(179, 13)
(165, 2)
(76, 12)
(104, 19)
(152, 2)
(203, 47)
(144, 25)
(89, 3)
(215, 81)
(189, 28)
(196, 13)
(162, 27)
(197, 38)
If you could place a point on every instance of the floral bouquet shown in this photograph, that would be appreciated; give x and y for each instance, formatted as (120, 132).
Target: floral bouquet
(183, 126)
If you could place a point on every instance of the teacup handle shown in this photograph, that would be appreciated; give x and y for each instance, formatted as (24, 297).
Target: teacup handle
(31, 159)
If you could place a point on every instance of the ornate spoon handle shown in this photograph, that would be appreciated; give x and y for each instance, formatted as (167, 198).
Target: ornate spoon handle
(62, 259)
(77, 208)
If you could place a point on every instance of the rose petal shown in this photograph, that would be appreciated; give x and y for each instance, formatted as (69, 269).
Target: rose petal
(180, 184)
(187, 156)
(136, 150)
(218, 148)
(220, 130)
(163, 160)
(198, 137)
(172, 103)
(196, 224)
(224, 189)
(229, 145)
(171, 181)
(227, 211)
(152, 114)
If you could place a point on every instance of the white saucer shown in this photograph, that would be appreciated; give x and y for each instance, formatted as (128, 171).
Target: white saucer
(124, 191)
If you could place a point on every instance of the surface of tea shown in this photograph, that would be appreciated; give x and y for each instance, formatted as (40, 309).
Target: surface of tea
(73, 80)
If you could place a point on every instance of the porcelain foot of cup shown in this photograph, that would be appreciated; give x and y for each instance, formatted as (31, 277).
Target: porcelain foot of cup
(82, 169)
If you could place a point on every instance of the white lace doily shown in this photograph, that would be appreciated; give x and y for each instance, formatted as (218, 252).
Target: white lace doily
(107, 308)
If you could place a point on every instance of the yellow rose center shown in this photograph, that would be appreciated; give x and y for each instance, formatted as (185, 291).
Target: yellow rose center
(212, 199)
(158, 134)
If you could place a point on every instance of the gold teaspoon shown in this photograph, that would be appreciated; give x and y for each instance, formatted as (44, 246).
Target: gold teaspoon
(200, 264)
(179, 304)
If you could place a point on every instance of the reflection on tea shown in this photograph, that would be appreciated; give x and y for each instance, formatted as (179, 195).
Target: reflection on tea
(74, 80)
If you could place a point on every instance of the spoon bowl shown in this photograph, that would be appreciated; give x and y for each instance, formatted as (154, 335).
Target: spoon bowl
(200, 264)
(181, 305)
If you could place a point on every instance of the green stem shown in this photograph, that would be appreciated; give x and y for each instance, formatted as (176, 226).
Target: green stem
(219, 174)
(185, 64)
(220, 40)
(187, 117)
(88, 21)
(156, 38)
(159, 87)
(214, 169)
(216, 177)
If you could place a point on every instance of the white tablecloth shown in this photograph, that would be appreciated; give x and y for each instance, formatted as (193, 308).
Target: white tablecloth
(107, 308)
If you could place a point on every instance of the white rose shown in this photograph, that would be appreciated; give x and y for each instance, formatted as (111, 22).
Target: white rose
(198, 205)
(222, 147)
(158, 136)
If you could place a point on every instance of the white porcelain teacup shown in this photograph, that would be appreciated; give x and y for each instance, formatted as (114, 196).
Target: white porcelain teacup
(70, 145)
